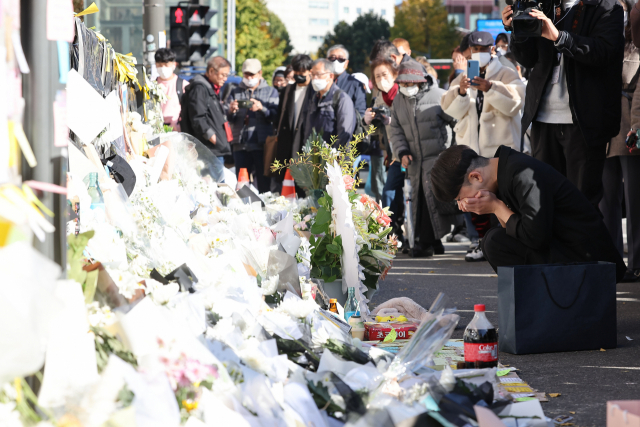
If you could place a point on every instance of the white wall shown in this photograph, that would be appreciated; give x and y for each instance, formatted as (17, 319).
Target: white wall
(308, 21)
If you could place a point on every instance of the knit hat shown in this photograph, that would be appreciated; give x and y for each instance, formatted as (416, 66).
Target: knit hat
(411, 72)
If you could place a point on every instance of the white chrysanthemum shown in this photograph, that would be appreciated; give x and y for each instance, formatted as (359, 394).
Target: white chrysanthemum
(99, 317)
(270, 285)
(127, 283)
(297, 308)
(159, 293)
(9, 417)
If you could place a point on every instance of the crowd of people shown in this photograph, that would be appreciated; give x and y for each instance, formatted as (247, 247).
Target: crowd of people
(567, 99)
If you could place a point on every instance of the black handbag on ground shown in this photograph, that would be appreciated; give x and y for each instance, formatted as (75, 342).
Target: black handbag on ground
(559, 307)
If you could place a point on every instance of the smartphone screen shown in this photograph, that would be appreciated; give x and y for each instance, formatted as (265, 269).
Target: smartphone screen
(473, 70)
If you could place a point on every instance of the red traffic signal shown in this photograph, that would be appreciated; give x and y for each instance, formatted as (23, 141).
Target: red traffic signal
(178, 14)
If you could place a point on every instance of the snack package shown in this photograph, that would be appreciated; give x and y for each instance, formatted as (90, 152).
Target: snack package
(374, 331)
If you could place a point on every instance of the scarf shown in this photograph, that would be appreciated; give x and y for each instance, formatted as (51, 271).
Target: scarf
(389, 96)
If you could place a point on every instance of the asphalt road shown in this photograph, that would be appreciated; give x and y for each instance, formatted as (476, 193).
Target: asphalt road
(585, 380)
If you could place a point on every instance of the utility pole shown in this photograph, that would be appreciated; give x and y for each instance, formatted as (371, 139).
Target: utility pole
(231, 33)
(39, 88)
(155, 37)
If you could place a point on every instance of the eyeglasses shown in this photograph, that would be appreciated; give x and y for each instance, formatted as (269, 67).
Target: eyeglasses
(335, 58)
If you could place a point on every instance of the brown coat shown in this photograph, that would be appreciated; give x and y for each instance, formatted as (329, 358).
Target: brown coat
(630, 117)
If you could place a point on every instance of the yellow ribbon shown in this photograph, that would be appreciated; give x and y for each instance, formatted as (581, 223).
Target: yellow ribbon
(31, 197)
(88, 11)
(17, 384)
(125, 68)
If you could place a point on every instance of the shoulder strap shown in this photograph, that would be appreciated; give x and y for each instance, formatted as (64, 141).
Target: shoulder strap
(336, 99)
(284, 98)
(180, 88)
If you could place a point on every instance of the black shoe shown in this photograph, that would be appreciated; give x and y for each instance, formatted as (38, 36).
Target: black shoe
(631, 276)
(438, 248)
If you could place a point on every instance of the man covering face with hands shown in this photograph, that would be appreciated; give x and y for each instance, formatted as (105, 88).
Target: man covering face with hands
(544, 218)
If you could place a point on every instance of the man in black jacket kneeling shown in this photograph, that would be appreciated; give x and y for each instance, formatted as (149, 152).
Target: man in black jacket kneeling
(545, 219)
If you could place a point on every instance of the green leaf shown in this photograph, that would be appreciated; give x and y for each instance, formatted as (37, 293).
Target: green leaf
(323, 217)
(334, 249)
(90, 285)
(319, 228)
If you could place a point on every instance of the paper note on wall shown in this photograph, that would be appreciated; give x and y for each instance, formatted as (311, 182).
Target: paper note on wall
(60, 128)
(87, 111)
(60, 20)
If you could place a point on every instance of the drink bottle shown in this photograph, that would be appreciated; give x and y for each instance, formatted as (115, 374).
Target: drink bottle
(351, 306)
(97, 199)
(333, 305)
(480, 341)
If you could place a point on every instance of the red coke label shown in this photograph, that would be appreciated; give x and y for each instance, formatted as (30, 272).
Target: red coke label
(481, 352)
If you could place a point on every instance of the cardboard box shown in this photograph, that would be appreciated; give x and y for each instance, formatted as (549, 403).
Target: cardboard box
(623, 413)
(378, 331)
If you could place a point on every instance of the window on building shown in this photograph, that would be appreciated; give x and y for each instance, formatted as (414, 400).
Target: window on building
(346, 10)
(316, 38)
(319, 4)
(371, 10)
(359, 11)
(383, 12)
(318, 21)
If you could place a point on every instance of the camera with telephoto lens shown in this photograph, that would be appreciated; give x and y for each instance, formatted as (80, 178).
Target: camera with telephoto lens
(523, 24)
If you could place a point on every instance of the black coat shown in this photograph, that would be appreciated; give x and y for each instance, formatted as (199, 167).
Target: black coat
(202, 115)
(593, 55)
(290, 134)
(551, 216)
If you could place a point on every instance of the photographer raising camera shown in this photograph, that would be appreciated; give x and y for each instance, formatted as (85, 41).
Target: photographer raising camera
(575, 49)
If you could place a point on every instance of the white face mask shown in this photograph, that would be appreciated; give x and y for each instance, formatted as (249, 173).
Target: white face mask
(409, 91)
(385, 85)
(319, 84)
(502, 50)
(482, 57)
(165, 72)
(250, 82)
(339, 67)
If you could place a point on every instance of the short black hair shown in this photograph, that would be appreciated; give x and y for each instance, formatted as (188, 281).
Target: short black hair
(165, 55)
(464, 43)
(301, 62)
(502, 36)
(383, 49)
(450, 171)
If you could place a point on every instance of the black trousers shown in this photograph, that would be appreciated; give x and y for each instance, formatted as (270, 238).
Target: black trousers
(425, 237)
(501, 250)
(563, 147)
(622, 174)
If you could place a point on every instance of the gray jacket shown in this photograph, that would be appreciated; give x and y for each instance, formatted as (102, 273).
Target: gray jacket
(421, 129)
(259, 122)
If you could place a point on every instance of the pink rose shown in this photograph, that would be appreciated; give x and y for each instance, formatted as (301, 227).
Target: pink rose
(348, 182)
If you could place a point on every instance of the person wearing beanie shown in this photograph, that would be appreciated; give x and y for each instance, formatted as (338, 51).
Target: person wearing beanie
(279, 79)
(420, 130)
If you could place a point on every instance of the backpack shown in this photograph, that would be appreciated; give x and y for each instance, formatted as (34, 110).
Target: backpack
(180, 89)
(364, 144)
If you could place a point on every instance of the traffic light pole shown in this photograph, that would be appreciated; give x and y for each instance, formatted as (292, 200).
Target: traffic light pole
(231, 33)
(154, 30)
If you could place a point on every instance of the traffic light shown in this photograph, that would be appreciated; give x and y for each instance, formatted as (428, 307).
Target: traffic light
(190, 32)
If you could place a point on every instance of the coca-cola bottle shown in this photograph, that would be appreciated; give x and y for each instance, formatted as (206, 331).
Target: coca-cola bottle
(480, 341)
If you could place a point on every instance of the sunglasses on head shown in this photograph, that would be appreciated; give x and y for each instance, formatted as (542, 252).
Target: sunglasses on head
(333, 58)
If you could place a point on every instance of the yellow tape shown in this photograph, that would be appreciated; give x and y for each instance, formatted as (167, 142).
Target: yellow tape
(519, 389)
(16, 131)
(28, 192)
(88, 11)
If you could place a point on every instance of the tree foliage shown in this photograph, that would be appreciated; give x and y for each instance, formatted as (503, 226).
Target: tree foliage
(358, 38)
(426, 26)
(255, 37)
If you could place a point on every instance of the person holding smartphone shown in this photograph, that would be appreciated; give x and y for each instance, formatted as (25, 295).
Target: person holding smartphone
(487, 100)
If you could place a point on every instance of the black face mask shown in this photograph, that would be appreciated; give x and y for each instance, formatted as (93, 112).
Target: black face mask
(300, 79)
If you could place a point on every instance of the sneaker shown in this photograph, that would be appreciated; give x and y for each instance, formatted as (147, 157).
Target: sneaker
(475, 244)
(457, 238)
(475, 255)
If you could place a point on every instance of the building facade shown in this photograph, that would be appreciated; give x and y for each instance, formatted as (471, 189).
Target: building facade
(308, 21)
(467, 12)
